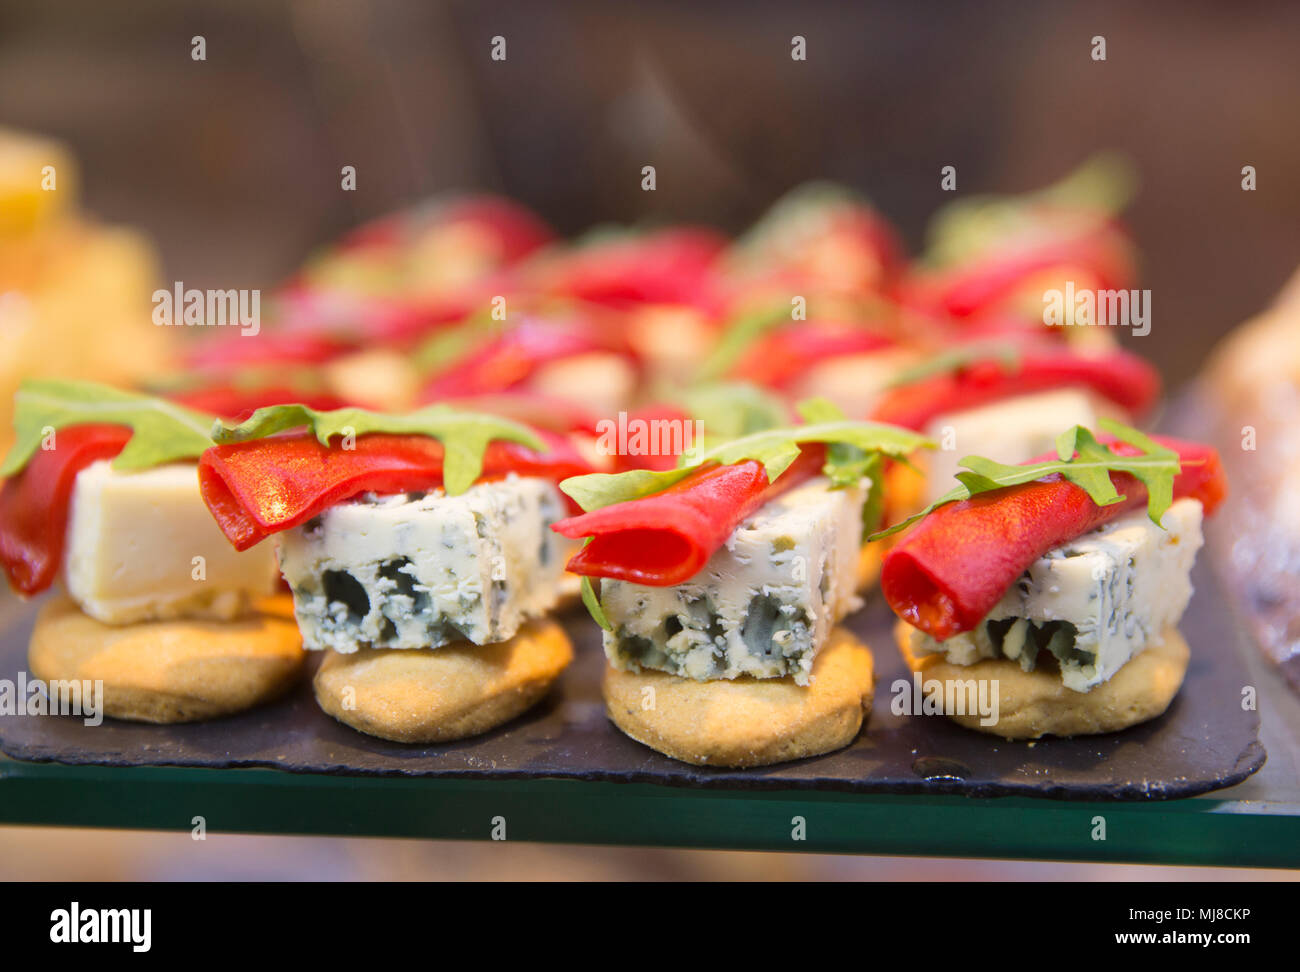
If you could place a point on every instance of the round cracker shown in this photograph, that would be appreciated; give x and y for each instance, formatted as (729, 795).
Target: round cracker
(174, 670)
(747, 721)
(1035, 704)
(441, 694)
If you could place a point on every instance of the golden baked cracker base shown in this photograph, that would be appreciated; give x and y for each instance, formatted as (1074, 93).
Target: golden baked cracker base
(436, 695)
(747, 721)
(1036, 704)
(171, 671)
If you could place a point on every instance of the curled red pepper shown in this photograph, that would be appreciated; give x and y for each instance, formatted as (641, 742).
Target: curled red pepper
(786, 354)
(232, 401)
(666, 538)
(507, 361)
(946, 574)
(1123, 378)
(36, 503)
(1103, 253)
(264, 486)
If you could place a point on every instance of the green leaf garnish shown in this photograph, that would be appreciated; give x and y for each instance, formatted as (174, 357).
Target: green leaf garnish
(804, 211)
(847, 465)
(1006, 354)
(449, 344)
(464, 435)
(592, 600)
(738, 336)
(1104, 184)
(732, 409)
(775, 448)
(1082, 460)
(162, 431)
(873, 508)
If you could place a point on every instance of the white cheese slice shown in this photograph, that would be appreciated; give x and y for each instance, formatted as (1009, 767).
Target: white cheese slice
(600, 381)
(1120, 586)
(424, 570)
(1010, 431)
(854, 382)
(142, 545)
(763, 604)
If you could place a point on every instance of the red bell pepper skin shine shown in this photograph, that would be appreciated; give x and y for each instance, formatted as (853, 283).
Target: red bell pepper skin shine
(264, 486)
(666, 538)
(1123, 378)
(36, 503)
(951, 569)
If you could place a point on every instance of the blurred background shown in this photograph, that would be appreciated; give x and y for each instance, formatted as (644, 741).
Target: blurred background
(228, 170)
(232, 164)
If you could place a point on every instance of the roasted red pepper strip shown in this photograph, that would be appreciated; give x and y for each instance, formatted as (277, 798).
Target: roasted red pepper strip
(649, 452)
(230, 352)
(361, 320)
(514, 230)
(952, 568)
(969, 289)
(665, 539)
(1123, 378)
(666, 267)
(230, 401)
(35, 504)
(787, 354)
(506, 362)
(264, 486)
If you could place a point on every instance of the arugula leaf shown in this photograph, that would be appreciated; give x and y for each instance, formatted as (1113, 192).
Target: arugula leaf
(873, 508)
(1104, 184)
(162, 431)
(449, 344)
(847, 465)
(592, 601)
(464, 435)
(775, 448)
(1008, 355)
(596, 490)
(1082, 460)
(806, 210)
(733, 409)
(738, 335)
(819, 409)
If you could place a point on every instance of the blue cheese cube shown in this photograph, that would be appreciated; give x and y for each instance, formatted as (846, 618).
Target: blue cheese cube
(422, 570)
(762, 605)
(1093, 603)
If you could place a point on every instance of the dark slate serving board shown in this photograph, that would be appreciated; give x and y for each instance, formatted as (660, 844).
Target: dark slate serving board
(1204, 742)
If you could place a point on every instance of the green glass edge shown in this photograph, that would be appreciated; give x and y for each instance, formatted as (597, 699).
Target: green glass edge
(1197, 831)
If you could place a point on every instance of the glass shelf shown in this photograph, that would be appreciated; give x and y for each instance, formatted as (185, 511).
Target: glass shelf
(1256, 823)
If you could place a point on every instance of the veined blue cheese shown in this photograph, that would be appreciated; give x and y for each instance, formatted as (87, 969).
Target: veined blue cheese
(762, 605)
(422, 570)
(1094, 603)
